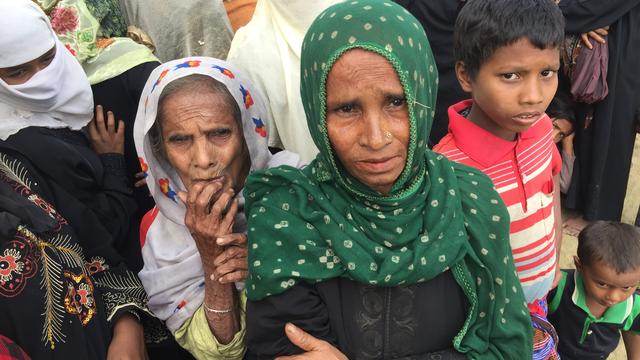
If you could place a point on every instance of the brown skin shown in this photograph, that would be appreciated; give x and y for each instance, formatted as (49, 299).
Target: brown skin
(314, 348)
(513, 88)
(510, 92)
(128, 340)
(367, 118)
(368, 127)
(20, 74)
(604, 287)
(597, 35)
(205, 145)
(105, 136)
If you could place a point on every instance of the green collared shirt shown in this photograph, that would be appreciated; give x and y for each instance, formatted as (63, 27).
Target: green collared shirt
(581, 334)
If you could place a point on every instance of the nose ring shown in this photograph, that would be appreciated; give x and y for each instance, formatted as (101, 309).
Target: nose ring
(387, 135)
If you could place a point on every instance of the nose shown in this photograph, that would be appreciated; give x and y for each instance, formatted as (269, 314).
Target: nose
(204, 153)
(375, 134)
(533, 91)
(614, 297)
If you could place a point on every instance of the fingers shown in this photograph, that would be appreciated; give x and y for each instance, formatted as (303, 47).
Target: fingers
(232, 252)
(111, 122)
(585, 40)
(182, 195)
(602, 31)
(140, 183)
(234, 277)
(594, 35)
(237, 239)
(301, 339)
(231, 266)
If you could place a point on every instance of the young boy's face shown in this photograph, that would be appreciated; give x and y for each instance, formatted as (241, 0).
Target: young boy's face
(513, 88)
(604, 286)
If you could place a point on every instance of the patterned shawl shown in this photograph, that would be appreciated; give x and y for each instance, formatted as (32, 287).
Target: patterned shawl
(320, 223)
(172, 274)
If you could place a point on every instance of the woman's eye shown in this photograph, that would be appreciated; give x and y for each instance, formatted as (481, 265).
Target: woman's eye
(17, 73)
(178, 139)
(219, 133)
(602, 285)
(345, 108)
(398, 101)
(510, 76)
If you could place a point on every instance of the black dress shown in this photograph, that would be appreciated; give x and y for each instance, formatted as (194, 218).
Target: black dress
(438, 18)
(84, 186)
(60, 292)
(604, 149)
(363, 321)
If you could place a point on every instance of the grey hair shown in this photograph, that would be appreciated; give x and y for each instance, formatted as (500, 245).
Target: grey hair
(196, 83)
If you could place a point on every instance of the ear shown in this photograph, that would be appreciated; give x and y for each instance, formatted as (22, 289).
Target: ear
(463, 76)
(576, 262)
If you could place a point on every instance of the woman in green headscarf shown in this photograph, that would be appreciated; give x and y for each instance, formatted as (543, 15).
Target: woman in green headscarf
(380, 247)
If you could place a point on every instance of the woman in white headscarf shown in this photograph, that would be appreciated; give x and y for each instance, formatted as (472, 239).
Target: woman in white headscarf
(45, 98)
(200, 131)
(64, 291)
(267, 50)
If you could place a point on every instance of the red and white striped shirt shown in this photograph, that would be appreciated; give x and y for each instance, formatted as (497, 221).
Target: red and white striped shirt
(522, 172)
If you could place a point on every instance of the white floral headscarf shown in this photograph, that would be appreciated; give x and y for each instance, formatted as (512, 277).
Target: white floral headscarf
(172, 274)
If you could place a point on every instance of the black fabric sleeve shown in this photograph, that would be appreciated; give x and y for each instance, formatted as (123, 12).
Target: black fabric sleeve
(586, 15)
(266, 318)
(98, 183)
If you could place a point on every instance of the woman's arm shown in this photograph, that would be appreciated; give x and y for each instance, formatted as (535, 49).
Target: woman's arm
(583, 16)
(210, 216)
(266, 320)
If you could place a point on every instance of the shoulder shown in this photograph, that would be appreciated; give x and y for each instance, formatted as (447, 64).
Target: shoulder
(447, 143)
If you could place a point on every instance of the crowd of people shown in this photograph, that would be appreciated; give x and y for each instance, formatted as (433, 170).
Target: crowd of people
(360, 179)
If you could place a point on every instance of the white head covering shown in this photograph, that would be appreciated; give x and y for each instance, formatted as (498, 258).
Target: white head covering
(59, 95)
(172, 274)
(267, 50)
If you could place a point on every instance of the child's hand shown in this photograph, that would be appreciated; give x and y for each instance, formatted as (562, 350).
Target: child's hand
(567, 144)
(106, 138)
(597, 35)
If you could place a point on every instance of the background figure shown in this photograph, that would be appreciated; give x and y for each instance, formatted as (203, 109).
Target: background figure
(239, 12)
(182, 28)
(267, 50)
(562, 116)
(604, 143)
(438, 18)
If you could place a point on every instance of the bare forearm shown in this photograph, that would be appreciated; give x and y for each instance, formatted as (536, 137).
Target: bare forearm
(223, 324)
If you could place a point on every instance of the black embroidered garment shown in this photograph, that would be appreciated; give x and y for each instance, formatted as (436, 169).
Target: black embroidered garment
(60, 293)
(98, 185)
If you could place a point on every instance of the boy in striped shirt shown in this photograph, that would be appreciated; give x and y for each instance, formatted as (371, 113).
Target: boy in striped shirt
(507, 54)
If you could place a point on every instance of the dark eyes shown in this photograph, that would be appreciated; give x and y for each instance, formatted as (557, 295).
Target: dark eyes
(216, 134)
(346, 108)
(398, 101)
(510, 76)
(179, 139)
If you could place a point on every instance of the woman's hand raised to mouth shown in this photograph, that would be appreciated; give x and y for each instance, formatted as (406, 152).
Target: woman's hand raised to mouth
(210, 214)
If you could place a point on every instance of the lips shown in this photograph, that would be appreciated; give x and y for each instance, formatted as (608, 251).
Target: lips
(527, 118)
(209, 179)
(377, 165)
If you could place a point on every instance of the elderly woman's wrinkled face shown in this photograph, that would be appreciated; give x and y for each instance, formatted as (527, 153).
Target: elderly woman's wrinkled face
(20, 74)
(203, 141)
(367, 118)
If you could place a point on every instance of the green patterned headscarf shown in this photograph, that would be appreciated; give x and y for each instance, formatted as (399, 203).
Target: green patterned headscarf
(320, 222)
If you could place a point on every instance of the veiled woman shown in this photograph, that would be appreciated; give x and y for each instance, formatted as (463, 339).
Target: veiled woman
(379, 247)
(200, 130)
